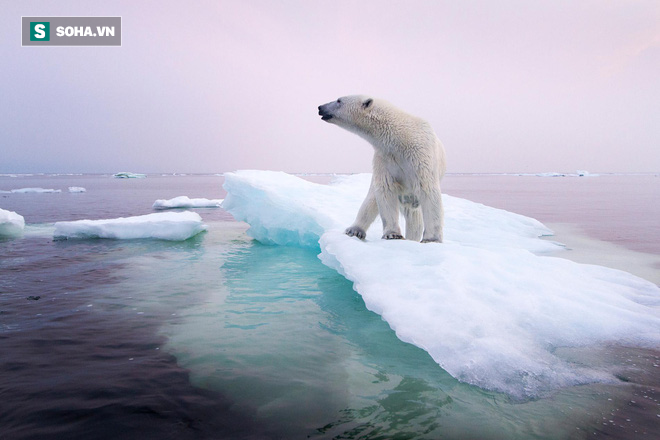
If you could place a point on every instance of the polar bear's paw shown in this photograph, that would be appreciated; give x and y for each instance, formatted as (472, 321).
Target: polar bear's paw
(355, 231)
(393, 236)
(432, 240)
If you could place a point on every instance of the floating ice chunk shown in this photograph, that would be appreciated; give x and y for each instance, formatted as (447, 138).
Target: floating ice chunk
(185, 202)
(175, 226)
(77, 189)
(127, 175)
(483, 305)
(11, 223)
(35, 191)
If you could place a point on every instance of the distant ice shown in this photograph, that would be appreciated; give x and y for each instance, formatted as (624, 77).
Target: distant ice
(32, 191)
(127, 175)
(77, 189)
(186, 202)
(11, 223)
(578, 173)
(551, 174)
(174, 226)
(486, 304)
(584, 173)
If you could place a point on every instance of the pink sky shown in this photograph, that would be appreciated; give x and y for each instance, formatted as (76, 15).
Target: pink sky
(213, 86)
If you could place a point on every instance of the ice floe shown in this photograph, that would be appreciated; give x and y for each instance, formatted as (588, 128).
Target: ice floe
(77, 189)
(32, 191)
(488, 305)
(174, 226)
(11, 223)
(127, 175)
(186, 202)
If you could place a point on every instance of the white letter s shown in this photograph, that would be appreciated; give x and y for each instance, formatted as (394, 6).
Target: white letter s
(39, 31)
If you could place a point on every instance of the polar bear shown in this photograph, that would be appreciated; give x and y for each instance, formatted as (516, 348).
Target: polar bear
(408, 164)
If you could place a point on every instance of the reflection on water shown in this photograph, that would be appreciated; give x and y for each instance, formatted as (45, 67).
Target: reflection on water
(80, 353)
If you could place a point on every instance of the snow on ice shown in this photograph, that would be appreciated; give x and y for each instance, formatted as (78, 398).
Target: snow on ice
(489, 305)
(174, 226)
(186, 202)
(11, 223)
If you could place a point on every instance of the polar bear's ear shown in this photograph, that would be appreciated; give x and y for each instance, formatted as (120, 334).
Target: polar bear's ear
(367, 103)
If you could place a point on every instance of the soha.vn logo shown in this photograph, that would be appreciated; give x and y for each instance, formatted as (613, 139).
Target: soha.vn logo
(40, 31)
(70, 31)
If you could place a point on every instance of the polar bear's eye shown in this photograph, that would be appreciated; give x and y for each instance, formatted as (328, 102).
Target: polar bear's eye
(339, 101)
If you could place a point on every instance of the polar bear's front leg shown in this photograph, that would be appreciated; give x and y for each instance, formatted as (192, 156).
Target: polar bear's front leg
(366, 216)
(388, 208)
(433, 215)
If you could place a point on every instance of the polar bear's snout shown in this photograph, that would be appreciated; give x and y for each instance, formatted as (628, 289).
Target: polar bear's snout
(325, 112)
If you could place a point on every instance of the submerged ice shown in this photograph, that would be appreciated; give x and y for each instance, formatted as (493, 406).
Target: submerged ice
(173, 226)
(487, 305)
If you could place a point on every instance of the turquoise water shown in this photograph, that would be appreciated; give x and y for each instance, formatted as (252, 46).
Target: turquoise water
(289, 341)
(223, 337)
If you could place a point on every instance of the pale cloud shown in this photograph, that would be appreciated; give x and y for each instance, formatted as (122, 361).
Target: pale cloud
(625, 55)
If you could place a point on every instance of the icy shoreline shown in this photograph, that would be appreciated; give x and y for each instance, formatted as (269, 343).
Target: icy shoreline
(484, 305)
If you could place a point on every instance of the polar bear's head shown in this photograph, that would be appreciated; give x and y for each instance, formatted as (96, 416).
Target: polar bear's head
(354, 113)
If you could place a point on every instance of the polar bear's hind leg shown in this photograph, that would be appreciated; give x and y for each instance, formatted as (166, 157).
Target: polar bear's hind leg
(433, 215)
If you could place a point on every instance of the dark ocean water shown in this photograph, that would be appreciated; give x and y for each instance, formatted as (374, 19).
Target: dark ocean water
(222, 337)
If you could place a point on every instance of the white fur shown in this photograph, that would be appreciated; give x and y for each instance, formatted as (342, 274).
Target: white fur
(408, 165)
